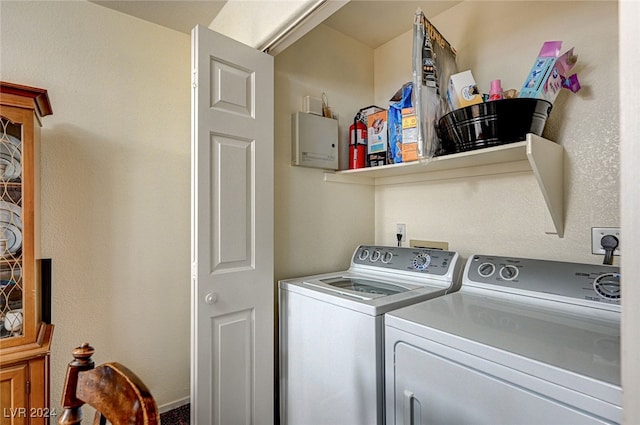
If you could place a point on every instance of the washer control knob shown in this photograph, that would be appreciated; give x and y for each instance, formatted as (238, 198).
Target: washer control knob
(509, 272)
(375, 256)
(387, 257)
(362, 255)
(486, 269)
(421, 261)
(608, 286)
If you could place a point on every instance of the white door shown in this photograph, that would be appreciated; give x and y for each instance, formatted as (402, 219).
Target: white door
(232, 336)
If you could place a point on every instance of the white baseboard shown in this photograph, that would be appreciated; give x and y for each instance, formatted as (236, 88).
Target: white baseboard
(173, 405)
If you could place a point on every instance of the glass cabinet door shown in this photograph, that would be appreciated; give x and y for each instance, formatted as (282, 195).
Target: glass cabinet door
(11, 230)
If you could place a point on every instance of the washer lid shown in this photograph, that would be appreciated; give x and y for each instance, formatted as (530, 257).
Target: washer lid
(368, 294)
(365, 288)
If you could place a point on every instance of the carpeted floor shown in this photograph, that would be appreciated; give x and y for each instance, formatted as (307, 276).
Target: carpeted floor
(177, 416)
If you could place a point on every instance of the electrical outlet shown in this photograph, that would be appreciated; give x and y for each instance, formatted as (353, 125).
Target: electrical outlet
(597, 233)
(402, 229)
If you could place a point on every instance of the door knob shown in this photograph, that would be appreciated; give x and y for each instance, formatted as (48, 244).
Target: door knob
(211, 298)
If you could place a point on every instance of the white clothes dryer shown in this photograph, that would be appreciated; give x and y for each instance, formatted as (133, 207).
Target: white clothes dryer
(331, 329)
(523, 342)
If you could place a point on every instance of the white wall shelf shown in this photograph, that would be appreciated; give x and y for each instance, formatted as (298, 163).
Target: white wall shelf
(541, 156)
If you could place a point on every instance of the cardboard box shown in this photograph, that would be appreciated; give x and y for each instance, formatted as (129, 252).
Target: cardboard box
(409, 135)
(401, 99)
(549, 73)
(377, 138)
(462, 90)
(541, 70)
(377, 159)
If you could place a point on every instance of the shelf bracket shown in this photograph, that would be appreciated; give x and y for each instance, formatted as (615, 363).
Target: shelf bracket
(546, 161)
(539, 155)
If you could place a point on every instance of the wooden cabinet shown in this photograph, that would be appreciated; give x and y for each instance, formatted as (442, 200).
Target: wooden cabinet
(13, 382)
(24, 339)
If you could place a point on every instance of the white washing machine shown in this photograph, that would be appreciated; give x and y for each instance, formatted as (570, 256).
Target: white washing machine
(523, 342)
(332, 331)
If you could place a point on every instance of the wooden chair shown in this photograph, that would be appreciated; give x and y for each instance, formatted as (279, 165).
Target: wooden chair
(116, 393)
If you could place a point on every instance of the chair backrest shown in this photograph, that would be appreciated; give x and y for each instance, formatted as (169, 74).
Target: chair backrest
(116, 393)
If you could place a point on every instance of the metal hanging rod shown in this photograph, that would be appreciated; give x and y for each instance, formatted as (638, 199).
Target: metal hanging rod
(269, 45)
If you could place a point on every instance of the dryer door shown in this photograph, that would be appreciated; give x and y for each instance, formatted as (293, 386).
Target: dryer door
(429, 383)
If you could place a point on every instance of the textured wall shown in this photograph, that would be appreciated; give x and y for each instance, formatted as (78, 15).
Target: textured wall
(506, 213)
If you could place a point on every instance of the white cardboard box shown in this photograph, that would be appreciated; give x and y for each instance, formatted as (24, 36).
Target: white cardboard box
(462, 90)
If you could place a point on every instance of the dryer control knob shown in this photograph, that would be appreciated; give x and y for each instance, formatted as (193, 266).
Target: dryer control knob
(509, 272)
(363, 254)
(608, 286)
(375, 256)
(486, 269)
(387, 257)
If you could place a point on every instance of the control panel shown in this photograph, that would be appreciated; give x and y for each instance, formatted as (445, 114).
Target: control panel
(419, 260)
(590, 282)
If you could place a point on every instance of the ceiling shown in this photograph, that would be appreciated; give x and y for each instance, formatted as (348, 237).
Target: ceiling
(358, 19)
(180, 15)
(374, 22)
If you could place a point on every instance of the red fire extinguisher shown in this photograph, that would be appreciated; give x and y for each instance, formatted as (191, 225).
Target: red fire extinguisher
(357, 143)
